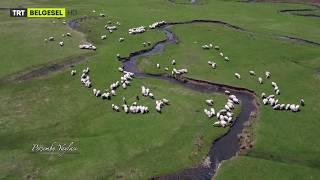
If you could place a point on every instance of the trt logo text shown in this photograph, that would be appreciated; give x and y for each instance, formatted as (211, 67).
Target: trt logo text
(18, 12)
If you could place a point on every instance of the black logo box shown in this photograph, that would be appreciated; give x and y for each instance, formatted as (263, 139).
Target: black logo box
(13, 12)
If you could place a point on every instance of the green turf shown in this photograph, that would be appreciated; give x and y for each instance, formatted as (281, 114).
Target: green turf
(118, 146)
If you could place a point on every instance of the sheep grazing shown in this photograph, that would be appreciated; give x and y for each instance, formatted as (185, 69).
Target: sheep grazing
(137, 30)
(263, 95)
(158, 108)
(268, 74)
(102, 15)
(252, 73)
(208, 113)
(209, 102)
(94, 11)
(158, 66)
(157, 24)
(103, 37)
(124, 85)
(166, 68)
(302, 102)
(151, 95)
(113, 92)
(85, 79)
(61, 43)
(96, 92)
(106, 96)
(160, 104)
(179, 72)
(220, 124)
(120, 69)
(260, 80)
(173, 62)
(121, 39)
(165, 101)
(86, 71)
(125, 108)
(237, 75)
(63, 35)
(278, 106)
(234, 99)
(206, 46)
(287, 107)
(217, 47)
(224, 116)
(144, 44)
(110, 28)
(87, 46)
(221, 54)
(226, 58)
(212, 64)
(68, 34)
(226, 92)
(51, 38)
(73, 72)
(64, 22)
(146, 92)
(115, 108)
(135, 108)
(294, 108)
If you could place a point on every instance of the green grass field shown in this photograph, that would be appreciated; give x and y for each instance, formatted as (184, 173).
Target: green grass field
(123, 146)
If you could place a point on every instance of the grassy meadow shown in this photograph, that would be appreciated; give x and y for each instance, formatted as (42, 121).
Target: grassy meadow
(57, 108)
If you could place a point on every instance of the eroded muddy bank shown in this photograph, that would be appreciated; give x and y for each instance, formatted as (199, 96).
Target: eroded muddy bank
(47, 69)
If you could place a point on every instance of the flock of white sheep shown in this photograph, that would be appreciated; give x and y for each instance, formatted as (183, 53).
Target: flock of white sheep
(142, 29)
(224, 115)
(125, 81)
(265, 99)
(157, 24)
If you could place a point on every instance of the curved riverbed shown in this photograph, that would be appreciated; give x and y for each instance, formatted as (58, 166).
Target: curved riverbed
(224, 147)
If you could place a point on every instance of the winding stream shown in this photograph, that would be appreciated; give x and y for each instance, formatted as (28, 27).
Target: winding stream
(224, 147)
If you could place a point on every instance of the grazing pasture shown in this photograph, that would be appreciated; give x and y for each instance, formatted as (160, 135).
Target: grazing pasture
(174, 134)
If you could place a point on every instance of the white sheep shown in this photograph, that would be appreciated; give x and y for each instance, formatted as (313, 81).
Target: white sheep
(213, 65)
(210, 102)
(268, 74)
(237, 75)
(73, 72)
(103, 37)
(115, 108)
(252, 73)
